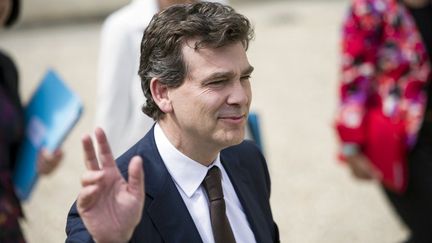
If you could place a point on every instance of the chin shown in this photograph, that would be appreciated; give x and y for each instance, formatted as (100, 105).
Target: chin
(232, 139)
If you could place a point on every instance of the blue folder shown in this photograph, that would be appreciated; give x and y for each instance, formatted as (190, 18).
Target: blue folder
(50, 115)
(255, 130)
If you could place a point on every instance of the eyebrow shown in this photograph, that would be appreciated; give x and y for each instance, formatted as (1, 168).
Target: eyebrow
(217, 75)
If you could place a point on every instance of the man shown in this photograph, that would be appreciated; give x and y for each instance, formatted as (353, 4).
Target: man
(195, 76)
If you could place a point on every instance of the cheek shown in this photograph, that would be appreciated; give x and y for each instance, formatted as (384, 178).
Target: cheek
(248, 91)
(210, 101)
(249, 94)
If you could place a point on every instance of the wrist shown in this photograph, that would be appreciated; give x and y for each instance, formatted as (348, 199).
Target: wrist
(116, 239)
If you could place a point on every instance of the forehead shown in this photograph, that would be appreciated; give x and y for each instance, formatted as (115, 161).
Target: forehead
(204, 61)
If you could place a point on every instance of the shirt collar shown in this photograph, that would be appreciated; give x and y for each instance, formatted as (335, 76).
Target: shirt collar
(187, 173)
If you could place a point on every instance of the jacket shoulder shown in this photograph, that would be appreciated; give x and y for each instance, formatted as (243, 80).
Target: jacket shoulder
(245, 150)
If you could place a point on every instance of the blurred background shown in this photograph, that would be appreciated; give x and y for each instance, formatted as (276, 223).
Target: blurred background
(295, 55)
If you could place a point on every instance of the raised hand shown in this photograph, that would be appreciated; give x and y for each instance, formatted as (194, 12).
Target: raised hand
(109, 206)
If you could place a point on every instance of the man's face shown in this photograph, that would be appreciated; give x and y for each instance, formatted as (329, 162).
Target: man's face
(5, 8)
(211, 106)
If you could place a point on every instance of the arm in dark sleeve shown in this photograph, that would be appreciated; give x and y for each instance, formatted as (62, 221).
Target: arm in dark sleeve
(76, 232)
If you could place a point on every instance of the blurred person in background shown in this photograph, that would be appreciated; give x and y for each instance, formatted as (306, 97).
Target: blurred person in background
(119, 94)
(387, 48)
(11, 134)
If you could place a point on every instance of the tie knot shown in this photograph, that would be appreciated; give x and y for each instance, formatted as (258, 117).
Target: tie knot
(212, 184)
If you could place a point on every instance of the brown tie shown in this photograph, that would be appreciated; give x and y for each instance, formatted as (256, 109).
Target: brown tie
(222, 231)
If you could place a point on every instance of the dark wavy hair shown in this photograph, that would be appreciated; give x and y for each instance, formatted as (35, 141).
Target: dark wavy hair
(212, 24)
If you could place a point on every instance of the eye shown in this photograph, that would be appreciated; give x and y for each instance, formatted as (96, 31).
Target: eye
(216, 82)
(245, 77)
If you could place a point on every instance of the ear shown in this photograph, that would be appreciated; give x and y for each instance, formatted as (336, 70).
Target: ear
(160, 96)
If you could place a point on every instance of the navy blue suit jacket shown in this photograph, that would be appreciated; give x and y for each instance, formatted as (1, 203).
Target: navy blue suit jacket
(165, 217)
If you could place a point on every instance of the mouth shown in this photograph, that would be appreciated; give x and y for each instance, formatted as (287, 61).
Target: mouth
(233, 119)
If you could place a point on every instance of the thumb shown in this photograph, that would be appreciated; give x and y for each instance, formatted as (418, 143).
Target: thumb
(136, 177)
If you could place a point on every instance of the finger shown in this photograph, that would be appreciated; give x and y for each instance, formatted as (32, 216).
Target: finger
(52, 159)
(136, 177)
(44, 156)
(356, 173)
(376, 173)
(362, 171)
(45, 162)
(41, 162)
(368, 170)
(47, 155)
(58, 155)
(87, 197)
(42, 167)
(92, 177)
(44, 153)
(45, 167)
(90, 159)
(365, 175)
(105, 155)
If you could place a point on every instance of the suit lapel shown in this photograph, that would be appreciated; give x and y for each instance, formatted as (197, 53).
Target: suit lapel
(243, 185)
(166, 209)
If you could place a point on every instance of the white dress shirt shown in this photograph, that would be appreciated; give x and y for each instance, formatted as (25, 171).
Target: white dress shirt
(188, 176)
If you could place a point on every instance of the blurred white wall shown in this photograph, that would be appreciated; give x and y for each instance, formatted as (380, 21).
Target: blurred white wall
(37, 11)
(51, 11)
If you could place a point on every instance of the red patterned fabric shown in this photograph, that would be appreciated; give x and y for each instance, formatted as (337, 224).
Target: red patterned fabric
(384, 66)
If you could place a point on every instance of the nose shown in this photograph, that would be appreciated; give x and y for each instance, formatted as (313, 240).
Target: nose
(240, 93)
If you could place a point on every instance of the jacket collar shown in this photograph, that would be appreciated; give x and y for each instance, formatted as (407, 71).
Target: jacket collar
(243, 185)
(166, 207)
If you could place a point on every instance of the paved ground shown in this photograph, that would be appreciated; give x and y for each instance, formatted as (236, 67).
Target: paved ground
(295, 54)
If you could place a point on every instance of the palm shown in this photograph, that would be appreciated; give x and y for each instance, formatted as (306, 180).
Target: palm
(109, 206)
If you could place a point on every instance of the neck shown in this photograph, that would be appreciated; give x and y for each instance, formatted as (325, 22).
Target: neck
(200, 152)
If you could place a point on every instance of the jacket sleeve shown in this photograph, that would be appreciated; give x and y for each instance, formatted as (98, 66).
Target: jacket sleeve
(75, 229)
(361, 34)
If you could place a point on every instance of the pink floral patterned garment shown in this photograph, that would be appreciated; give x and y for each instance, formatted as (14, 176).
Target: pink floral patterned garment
(384, 66)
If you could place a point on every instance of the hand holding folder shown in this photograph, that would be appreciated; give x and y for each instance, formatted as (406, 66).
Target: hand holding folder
(50, 115)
